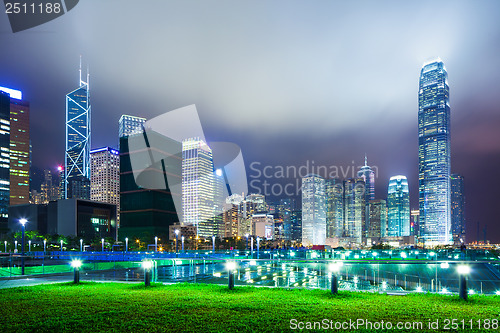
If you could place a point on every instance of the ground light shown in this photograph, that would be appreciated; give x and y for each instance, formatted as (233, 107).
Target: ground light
(335, 268)
(147, 265)
(463, 271)
(230, 266)
(76, 264)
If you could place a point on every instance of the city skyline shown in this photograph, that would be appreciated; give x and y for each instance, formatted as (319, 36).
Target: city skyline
(291, 135)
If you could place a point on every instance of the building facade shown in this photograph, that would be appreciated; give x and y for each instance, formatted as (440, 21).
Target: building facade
(19, 151)
(378, 219)
(296, 221)
(398, 207)
(313, 210)
(434, 154)
(198, 180)
(105, 177)
(458, 208)
(147, 207)
(334, 208)
(129, 125)
(354, 209)
(4, 160)
(77, 157)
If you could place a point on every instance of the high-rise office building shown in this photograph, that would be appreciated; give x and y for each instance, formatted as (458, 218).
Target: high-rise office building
(313, 210)
(414, 223)
(19, 150)
(378, 219)
(231, 215)
(105, 176)
(147, 207)
(457, 208)
(128, 125)
(49, 188)
(77, 157)
(285, 208)
(354, 209)
(434, 154)
(368, 175)
(334, 208)
(296, 222)
(4, 160)
(198, 176)
(398, 207)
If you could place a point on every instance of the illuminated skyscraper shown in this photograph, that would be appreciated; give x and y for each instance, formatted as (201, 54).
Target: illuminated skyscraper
(105, 176)
(368, 175)
(285, 208)
(77, 159)
(378, 219)
(198, 179)
(19, 150)
(354, 209)
(128, 125)
(457, 207)
(313, 210)
(334, 208)
(398, 207)
(4, 160)
(434, 154)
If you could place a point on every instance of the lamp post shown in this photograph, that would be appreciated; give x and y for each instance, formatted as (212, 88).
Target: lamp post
(23, 224)
(251, 245)
(76, 264)
(213, 244)
(176, 240)
(102, 244)
(335, 268)
(463, 271)
(29, 246)
(182, 241)
(147, 265)
(231, 266)
(156, 244)
(126, 244)
(258, 246)
(81, 245)
(15, 246)
(5, 243)
(61, 245)
(44, 246)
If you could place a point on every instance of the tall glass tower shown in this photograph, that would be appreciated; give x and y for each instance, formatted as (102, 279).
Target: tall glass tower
(457, 208)
(313, 210)
(434, 154)
(398, 207)
(334, 208)
(77, 157)
(198, 178)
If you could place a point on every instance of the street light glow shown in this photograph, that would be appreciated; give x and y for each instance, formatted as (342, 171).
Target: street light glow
(147, 264)
(231, 265)
(23, 221)
(463, 269)
(445, 265)
(76, 263)
(335, 267)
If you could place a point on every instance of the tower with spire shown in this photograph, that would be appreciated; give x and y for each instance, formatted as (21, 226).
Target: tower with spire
(368, 175)
(78, 129)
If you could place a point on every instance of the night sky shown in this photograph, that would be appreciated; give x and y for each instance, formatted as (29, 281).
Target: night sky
(288, 81)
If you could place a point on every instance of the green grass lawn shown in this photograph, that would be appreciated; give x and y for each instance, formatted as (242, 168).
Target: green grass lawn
(120, 307)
